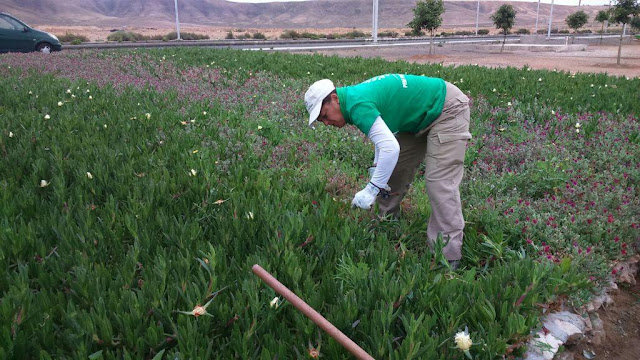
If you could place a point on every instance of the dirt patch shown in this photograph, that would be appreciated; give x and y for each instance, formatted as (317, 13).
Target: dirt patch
(594, 59)
(621, 322)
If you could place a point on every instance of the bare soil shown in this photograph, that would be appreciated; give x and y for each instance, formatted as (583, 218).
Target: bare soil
(622, 328)
(594, 59)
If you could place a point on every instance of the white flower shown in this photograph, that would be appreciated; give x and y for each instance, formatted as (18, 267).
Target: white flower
(47, 117)
(89, 175)
(509, 103)
(105, 126)
(501, 129)
(553, 112)
(249, 215)
(578, 131)
(578, 125)
(73, 96)
(259, 127)
(68, 91)
(463, 341)
(198, 310)
(88, 91)
(275, 302)
(539, 79)
(195, 151)
(204, 113)
(30, 93)
(494, 90)
(59, 103)
(44, 183)
(90, 97)
(591, 85)
(193, 172)
(10, 134)
(148, 115)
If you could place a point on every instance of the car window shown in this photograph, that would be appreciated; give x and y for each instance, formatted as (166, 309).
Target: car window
(9, 24)
(4, 24)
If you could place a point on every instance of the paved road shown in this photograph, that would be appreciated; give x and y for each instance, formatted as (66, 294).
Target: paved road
(294, 45)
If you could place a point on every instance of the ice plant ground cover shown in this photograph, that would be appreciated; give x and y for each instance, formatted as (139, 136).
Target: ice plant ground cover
(167, 174)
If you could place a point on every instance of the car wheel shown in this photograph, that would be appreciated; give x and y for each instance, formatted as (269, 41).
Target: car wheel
(44, 48)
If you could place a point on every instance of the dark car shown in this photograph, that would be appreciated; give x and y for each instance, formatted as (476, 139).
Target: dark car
(18, 36)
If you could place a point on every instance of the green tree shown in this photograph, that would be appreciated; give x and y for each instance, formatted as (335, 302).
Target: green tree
(623, 12)
(576, 21)
(427, 15)
(602, 17)
(635, 23)
(504, 18)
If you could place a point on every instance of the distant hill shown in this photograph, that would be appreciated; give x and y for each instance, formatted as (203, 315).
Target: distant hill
(309, 14)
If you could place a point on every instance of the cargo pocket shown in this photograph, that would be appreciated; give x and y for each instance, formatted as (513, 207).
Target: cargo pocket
(446, 138)
(445, 159)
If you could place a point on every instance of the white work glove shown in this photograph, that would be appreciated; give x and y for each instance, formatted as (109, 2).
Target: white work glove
(365, 197)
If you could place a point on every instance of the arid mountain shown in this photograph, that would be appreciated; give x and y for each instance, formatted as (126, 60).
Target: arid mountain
(309, 14)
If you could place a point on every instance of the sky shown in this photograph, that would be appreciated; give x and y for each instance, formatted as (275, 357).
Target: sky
(559, 2)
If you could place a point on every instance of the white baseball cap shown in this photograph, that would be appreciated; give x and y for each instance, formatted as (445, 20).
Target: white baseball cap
(314, 96)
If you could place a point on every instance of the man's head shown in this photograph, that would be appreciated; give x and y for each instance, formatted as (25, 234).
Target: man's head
(323, 104)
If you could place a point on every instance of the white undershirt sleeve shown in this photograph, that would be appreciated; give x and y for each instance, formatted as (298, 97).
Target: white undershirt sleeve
(387, 152)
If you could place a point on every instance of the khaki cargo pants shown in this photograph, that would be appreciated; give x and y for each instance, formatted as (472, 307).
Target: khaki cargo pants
(442, 145)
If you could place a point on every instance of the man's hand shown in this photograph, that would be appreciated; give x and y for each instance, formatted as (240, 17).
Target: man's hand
(365, 197)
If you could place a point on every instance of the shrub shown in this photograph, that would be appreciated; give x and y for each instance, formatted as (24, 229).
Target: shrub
(229, 35)
(259, 36)
(290, 34)
(331, 36)
(586, 31)
(483, 31)
(391, 34)
(184, 36)
(563, 31)
(544, 31)
(523, 31)
(308, 35)
(355, 34)
(464, 32)
(73, 38)
(121, 36)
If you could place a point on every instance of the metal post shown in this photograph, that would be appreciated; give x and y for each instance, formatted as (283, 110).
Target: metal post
(550, 19)
(537, 15)
(177, 20)
(374, 30)
(477, 16)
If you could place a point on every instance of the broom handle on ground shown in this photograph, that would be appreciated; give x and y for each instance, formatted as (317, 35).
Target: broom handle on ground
(311, 314)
